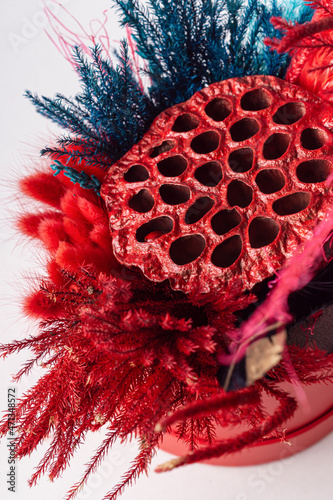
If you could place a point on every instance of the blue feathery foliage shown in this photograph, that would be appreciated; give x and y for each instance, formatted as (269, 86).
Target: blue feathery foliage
(82, 178)
(296, 10)
(185, 45)
(188, 44)
(106, 118)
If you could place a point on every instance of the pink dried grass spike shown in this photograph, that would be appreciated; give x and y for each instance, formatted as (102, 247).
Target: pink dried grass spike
(65, 38)
(101, 33)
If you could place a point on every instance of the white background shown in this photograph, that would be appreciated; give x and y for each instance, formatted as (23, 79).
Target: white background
(30, 61)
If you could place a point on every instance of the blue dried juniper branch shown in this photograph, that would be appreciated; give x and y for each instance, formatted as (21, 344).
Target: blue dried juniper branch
(108, 116)
(190, 44)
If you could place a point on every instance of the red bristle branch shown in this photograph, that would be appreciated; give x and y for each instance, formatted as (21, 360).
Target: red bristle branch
(47, 458)
(295, 34)
(27, 367)
(67, 446)
(321, 6)
(188, 431)
(143, 415)
(101, 452)
(285, 410)
(19, 345)
(141, 463)
(307, 371)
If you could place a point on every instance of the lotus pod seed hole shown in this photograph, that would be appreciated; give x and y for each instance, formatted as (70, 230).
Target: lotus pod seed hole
(225, 220)
(187, 249)
(255, 100)
(292, 203)
(199, 208)
(142, 202)
(218, 109)
(313, 171)
(270, 180)
(239, 194)
(313, 138)
(162, 148)
(154, 228)
(206, 142)
(244, 129)
(174, 194)
(209, 174)
(289, 113)
(275, 146)
(241, 160)
(172, 166)
(262, 232)
(227, 252)
(185, 123)
(136, 173)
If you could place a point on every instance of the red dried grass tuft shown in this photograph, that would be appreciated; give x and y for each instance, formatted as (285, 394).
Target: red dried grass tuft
(43, 187)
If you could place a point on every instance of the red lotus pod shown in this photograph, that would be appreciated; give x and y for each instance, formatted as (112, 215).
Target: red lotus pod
(224, 187)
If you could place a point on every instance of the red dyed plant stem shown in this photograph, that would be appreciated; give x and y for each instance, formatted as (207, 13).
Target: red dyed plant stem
(214, 403)
(285, 410)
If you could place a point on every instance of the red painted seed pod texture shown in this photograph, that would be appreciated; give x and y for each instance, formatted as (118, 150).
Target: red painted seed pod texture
(224, 187)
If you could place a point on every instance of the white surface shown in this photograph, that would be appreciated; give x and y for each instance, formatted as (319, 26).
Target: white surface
(30, 61)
